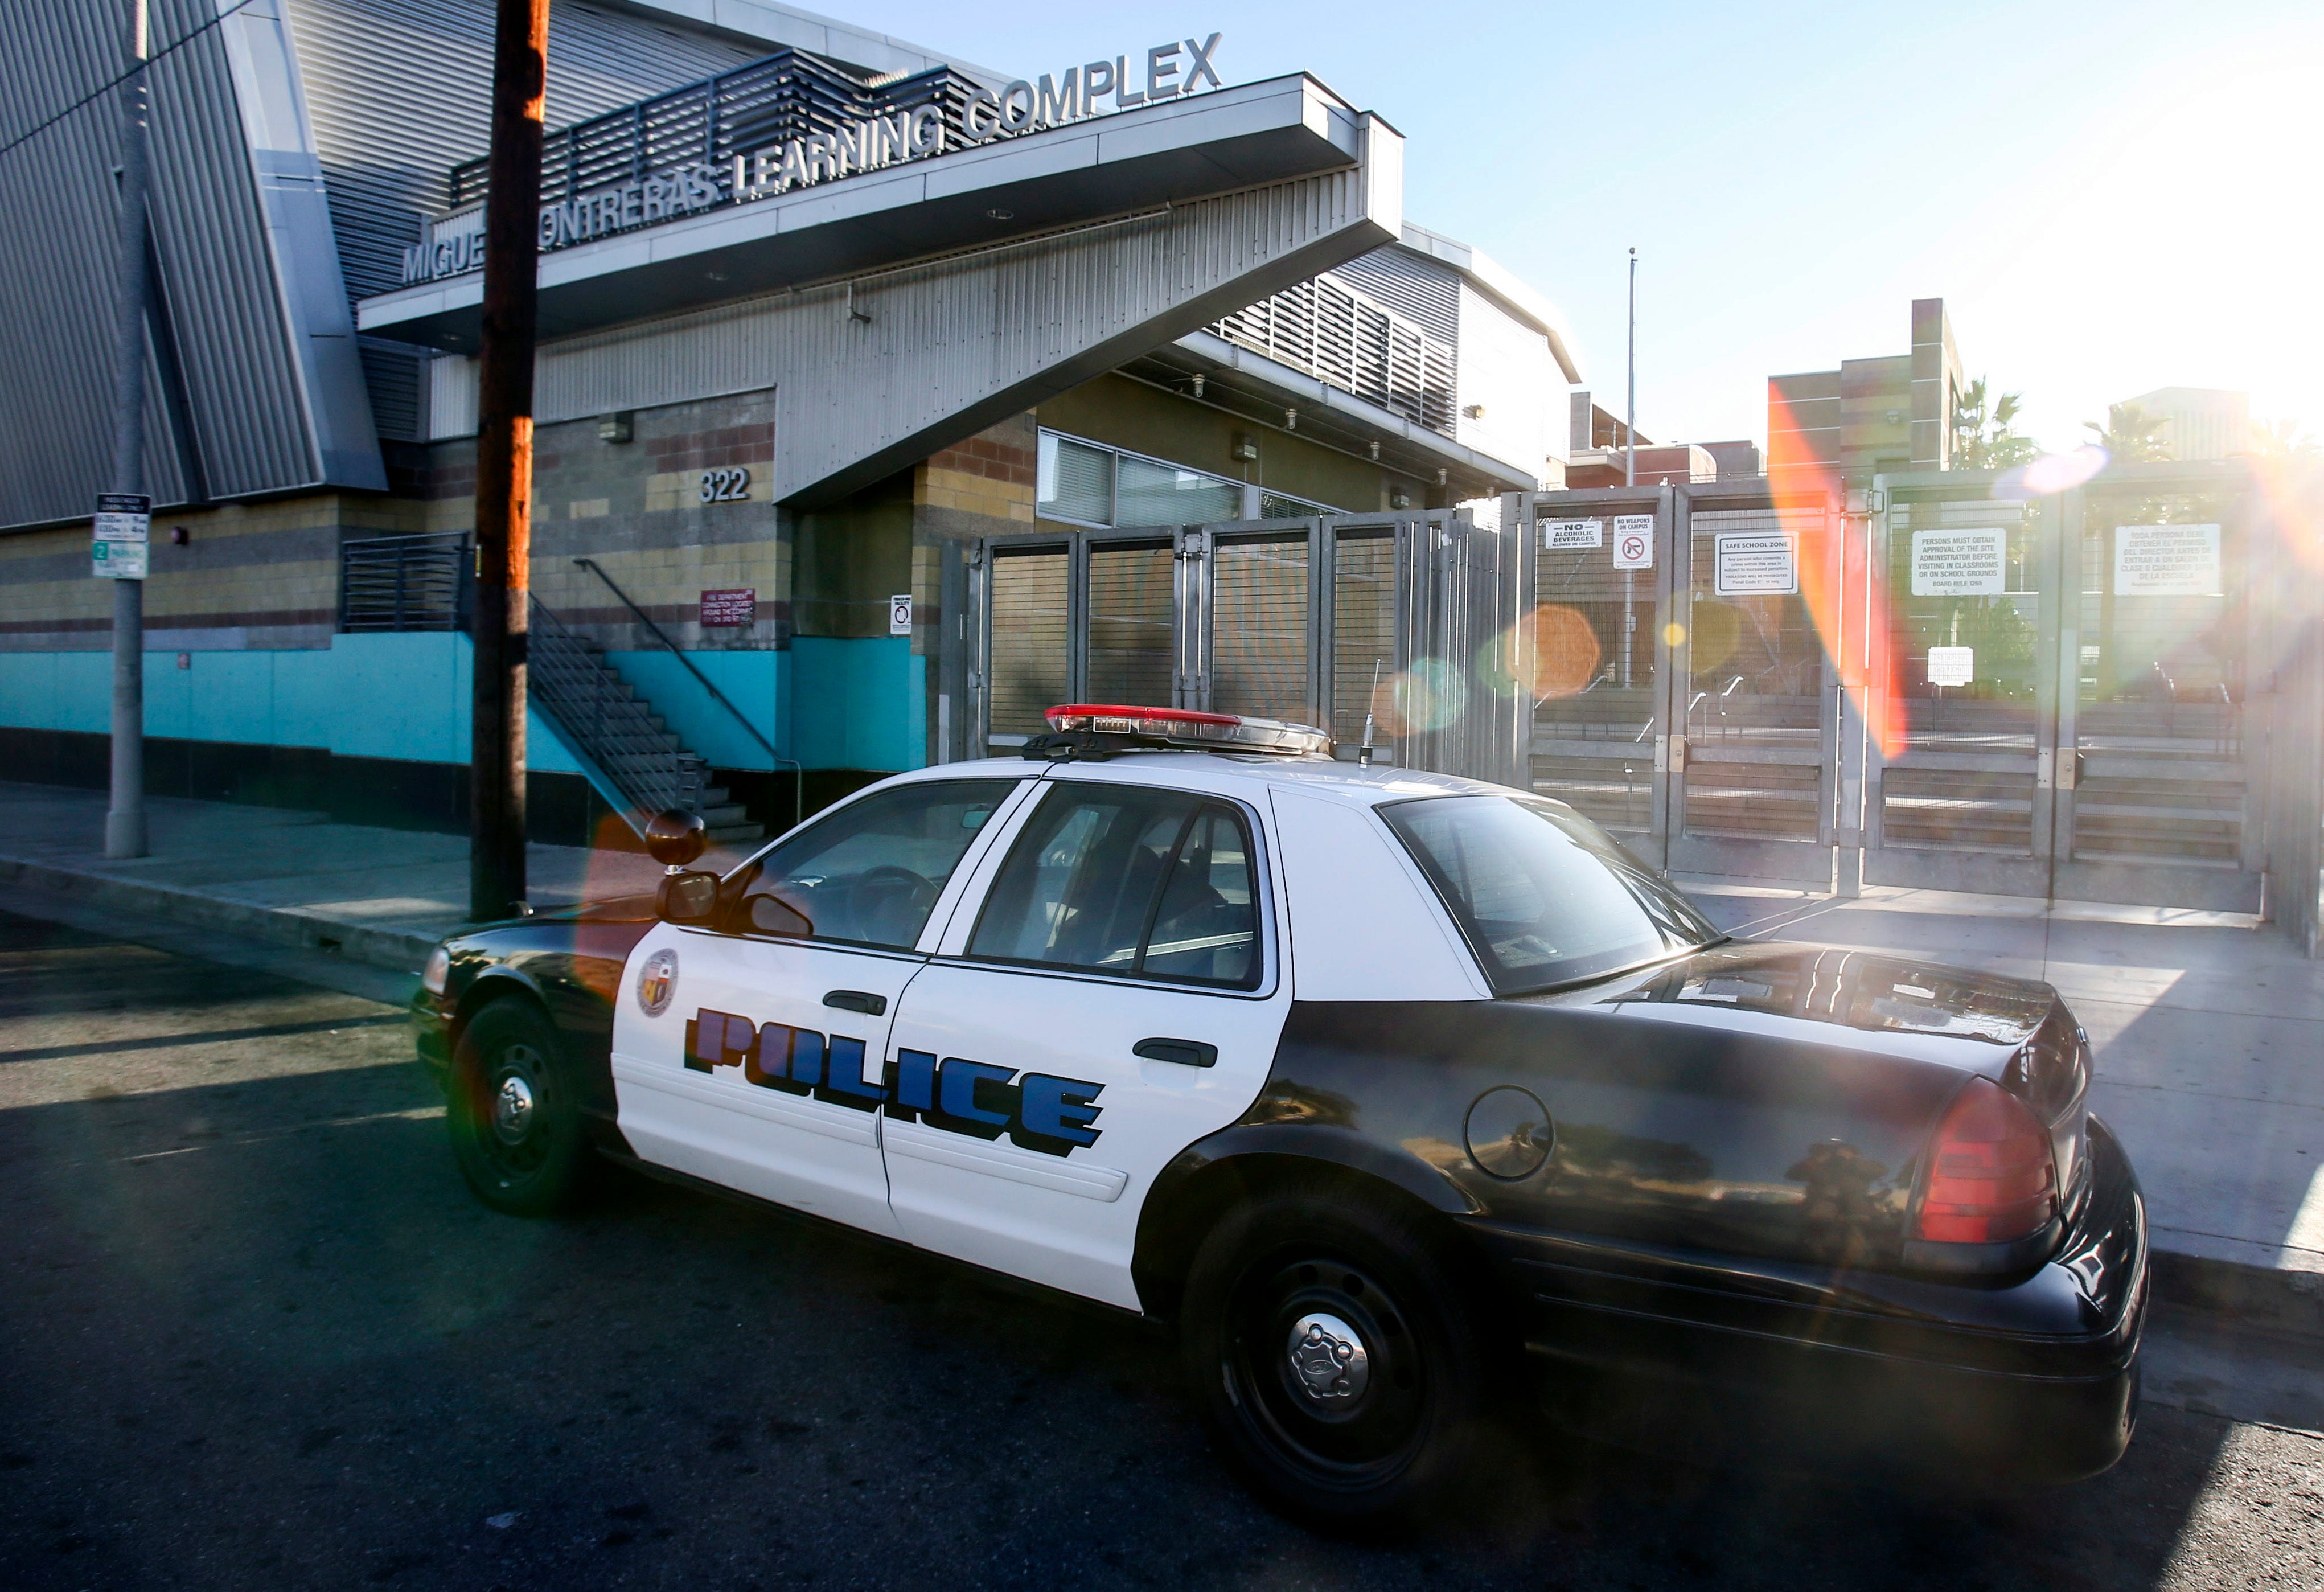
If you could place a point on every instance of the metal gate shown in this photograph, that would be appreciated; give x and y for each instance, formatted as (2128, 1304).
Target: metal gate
(1942, 682)
(1321, 621)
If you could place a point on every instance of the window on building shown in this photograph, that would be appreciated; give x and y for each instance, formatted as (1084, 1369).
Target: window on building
(1090, 484)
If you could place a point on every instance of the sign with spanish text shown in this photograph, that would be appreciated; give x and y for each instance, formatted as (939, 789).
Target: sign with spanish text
(1755, 563)
(1952, 666)
(117, 546)
(737, 606)
(1973, 561)
(1559, 534)
(2166, 561)
(1634, 541)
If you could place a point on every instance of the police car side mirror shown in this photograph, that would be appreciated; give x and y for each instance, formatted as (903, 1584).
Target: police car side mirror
(690, 898)
(675, 837)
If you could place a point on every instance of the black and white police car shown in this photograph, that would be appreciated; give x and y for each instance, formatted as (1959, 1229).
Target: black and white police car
(1395, 1092)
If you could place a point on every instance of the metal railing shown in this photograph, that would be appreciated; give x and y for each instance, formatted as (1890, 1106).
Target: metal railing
(612, 729)
(784, 95)
(799, 770)
(404, 583)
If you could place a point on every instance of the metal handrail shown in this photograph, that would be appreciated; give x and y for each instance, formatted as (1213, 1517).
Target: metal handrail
(798, 768)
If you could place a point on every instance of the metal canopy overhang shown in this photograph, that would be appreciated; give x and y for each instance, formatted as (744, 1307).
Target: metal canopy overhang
(1043, 182)
(1259, 389)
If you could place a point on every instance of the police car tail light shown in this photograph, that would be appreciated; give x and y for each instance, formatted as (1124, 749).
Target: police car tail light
(1185, 727)
(1991, 1176)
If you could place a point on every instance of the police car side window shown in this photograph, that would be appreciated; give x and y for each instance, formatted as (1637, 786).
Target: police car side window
(871, 872)
(1127, 880)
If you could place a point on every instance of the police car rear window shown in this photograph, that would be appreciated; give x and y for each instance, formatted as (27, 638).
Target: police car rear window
(1544, 896)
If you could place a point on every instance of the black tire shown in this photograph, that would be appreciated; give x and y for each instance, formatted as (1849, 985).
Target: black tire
(515, 1118)
(1399, 1424)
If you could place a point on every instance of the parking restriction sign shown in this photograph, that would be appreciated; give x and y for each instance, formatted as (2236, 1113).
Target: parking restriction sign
(1634, 541)
(117, 549)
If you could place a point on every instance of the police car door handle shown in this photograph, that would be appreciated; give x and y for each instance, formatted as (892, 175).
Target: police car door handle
(1185, 1052)
(857, 1000)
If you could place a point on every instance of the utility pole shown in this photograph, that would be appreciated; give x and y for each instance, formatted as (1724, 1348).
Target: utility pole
(125, 817)
(1630, 421)
(496, 816)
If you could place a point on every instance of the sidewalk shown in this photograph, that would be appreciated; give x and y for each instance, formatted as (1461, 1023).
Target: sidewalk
(2209, 1028)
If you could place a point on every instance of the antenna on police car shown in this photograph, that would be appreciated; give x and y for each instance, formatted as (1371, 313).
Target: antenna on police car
(1364, 749)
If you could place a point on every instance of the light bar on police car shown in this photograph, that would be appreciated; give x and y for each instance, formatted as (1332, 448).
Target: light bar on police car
(1186, 726)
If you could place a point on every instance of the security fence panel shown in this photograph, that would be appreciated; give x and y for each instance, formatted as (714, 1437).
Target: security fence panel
(1263, 618)
(1129, 644)
(1361, 656)
(1599, 624)
(1963, 613)
(2155, 803)
(1027, 639)
(1760, 721)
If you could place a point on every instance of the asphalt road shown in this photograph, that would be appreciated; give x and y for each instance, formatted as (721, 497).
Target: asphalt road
(255, 1333)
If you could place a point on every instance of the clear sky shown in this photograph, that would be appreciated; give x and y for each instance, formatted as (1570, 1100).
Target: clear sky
(2110, 198)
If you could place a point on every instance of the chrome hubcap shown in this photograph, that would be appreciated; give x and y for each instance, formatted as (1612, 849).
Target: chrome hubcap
(1329, 1363)
(513, 1108)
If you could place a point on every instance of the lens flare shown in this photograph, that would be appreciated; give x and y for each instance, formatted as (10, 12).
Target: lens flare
(1428, 696)
(1565, 651)
(1850, 612)
(2051, 473)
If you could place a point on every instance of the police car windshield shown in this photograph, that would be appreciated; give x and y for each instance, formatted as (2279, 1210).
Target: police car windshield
(1545, 896)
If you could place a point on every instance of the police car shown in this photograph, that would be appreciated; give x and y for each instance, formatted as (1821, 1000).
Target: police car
(1396, 1093)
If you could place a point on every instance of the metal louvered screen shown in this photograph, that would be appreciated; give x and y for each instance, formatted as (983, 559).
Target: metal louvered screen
(787, 94)
(403, 583)
(1333, 332)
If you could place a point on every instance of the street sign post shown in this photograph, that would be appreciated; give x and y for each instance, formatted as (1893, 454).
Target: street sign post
(117, 549)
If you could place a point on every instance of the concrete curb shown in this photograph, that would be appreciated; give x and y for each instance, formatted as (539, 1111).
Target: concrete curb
(397, 950)
(2279, 1300)
(2251, 1296)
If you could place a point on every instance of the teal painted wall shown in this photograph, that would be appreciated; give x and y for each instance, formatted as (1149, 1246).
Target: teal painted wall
(859, 703)
(364, 696)
(828, 702)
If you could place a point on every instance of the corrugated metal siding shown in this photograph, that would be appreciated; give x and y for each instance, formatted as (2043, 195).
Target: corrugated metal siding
(1425, 292)
(56, 302)
(955, 343)
(397, 90)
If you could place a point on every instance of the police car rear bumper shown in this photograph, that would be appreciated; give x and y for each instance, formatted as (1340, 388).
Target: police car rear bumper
(2031, 1381)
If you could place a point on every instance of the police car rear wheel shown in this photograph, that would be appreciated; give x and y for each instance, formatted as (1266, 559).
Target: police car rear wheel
(1336, 1357)
(515, 1126)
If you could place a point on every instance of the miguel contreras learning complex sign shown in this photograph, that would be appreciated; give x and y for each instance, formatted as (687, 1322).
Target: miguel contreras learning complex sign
(868, 145)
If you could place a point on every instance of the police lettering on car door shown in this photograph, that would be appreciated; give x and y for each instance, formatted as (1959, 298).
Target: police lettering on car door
(1037, 1110)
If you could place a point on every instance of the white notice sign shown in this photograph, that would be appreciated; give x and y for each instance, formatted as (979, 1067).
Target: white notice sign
(1749, 563)
(900, 613)
(2166, 561)
(117, 549)
(1952, 666)
(1634, 541)
(1563, 534)
(1972, 562)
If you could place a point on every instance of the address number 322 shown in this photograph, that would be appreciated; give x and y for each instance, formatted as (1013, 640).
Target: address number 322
(727, 485)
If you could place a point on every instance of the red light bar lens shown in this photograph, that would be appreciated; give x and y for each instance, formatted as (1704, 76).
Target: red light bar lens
(1992, 1179)
(1188, 727)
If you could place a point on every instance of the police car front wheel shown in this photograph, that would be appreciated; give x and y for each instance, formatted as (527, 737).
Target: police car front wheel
(1336, 1357)
(515, 1125)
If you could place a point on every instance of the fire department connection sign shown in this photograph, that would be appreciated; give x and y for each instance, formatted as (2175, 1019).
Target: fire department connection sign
(1754, 564)
(734, 606)
(1973, 561)
(117, 549)
(2166, 561)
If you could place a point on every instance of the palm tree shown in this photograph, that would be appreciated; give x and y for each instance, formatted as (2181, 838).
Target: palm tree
(2283, 439)
(2130, 433)
(1983, 442)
